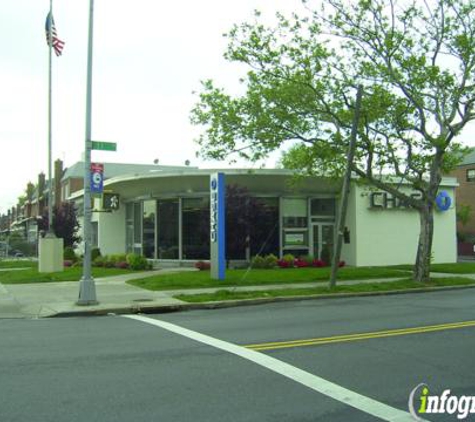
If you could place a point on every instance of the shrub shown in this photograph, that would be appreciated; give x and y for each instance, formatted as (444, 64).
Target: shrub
(136, 262)
(108, 263)
(307, 258)
(118, 257)
(325, 256)
(122, 264)
(319, 263)
(99, 261)
(301, 263)
(270, 261)
(258, 262)
(95, 253)
(304, 261)
(78, 262)
(284, 264)
(202, 265)
(287, 261)
(289, 258)
(264, 262)
(68, 263)
(69, 254)
(341, 264)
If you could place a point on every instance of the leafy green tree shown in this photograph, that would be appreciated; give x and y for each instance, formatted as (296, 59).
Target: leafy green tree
(65, 223)
(416, 62)
(247, 224)
(464, 214)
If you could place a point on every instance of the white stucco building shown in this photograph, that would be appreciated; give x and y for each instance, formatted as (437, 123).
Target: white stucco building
(164, 215)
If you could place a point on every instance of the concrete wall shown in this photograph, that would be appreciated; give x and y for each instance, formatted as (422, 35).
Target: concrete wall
(111, 230)
(111, 236)
(390, 236)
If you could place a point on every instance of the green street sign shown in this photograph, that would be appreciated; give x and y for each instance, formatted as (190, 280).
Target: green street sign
(104, 146)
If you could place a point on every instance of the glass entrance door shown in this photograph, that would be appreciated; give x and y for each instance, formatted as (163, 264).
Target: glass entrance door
(323, 239)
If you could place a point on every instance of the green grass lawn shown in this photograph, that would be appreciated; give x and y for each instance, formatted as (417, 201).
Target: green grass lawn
(325, 290)
(17, 263)
(32, 275)
(198, 279)
(457, 268)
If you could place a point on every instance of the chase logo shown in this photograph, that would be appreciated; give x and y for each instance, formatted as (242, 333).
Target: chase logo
(443, 201)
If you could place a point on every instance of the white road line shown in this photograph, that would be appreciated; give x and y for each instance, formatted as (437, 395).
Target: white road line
(314, 382)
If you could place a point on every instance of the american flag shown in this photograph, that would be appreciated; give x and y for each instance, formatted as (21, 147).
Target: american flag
(57, 43)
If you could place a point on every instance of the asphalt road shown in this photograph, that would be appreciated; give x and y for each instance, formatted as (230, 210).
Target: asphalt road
(120, 369)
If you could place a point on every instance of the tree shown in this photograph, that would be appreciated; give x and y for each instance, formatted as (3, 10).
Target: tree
(247, 224)
(416, 62)
(464, 214)
(65, 223)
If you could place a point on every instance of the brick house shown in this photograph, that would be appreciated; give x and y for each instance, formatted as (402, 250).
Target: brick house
(465, 192)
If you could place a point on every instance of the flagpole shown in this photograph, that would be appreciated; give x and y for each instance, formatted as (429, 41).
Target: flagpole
(50, 248)
(50, 231)
(87, 287)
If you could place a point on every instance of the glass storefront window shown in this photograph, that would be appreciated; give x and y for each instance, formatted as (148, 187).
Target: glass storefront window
(133, 228)
(137, 228)
(264, 237)
(298, 253)
(167, 229)
(295, 224)
(195, 228)
(295, 238)
(148, 225)
(294, 212)
(322, 207)
(129, 227)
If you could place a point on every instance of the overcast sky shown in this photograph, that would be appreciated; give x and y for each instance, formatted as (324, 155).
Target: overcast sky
(149, 56)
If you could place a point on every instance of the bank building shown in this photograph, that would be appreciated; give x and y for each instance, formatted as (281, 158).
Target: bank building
(163, 213)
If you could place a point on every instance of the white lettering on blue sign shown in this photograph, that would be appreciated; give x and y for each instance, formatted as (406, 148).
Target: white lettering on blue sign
(214, 211)
(217, 226)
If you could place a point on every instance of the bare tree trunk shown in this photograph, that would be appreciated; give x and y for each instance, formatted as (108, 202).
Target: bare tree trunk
(424, 249)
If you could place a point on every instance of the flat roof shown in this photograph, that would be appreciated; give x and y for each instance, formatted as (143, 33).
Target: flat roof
(190, 180)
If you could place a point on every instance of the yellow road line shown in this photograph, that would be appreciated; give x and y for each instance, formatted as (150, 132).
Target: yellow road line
(359, 336)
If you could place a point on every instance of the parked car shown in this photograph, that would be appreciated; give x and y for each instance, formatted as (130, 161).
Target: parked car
(16, 253)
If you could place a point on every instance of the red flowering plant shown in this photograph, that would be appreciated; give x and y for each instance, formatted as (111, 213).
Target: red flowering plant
(319, 263)
(202, 265)
(287, 261)
(284, 264)
(301, 263)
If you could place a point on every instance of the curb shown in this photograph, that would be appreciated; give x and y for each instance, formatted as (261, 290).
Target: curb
(161, 309)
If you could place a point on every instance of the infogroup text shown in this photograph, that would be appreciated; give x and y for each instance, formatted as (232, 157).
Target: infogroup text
(422, 403)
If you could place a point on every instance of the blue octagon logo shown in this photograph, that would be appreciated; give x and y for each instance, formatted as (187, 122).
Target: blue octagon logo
(443, 201)
(214, 184)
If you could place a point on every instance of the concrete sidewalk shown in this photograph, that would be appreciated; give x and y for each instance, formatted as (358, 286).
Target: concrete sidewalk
(116, 296)
(59, 298)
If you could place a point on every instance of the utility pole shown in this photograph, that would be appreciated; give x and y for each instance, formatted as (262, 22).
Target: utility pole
(345, 191)
(87, 287)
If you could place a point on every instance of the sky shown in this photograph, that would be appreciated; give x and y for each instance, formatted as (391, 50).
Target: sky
(149, 58)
